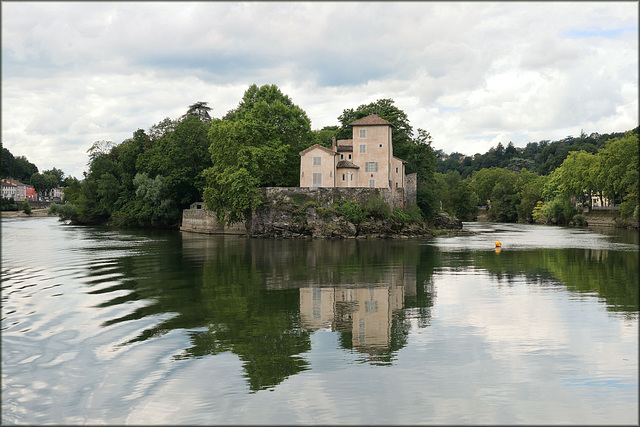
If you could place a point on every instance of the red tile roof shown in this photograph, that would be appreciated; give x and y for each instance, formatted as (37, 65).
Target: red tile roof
(371, 120)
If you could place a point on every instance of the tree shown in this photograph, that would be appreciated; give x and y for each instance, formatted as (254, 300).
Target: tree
(180, 155)
(57, 173)
(43, 183)
(26, 207)
(255, 145)
(199, 110)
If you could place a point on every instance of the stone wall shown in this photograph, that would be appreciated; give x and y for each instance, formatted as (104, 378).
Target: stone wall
(280, 200)
(411, 189)
(199, 220)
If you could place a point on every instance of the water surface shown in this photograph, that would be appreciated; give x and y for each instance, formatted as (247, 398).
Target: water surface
(138, 327)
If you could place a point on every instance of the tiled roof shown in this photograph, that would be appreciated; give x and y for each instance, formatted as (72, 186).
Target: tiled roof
(371, 120)
(341, 148)
(346, 164)
(314, 146)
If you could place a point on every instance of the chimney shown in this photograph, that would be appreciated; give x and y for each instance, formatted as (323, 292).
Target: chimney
(333, 143)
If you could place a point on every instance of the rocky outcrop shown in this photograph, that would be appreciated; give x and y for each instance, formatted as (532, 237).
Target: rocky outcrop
(444, 221)
(285, 221)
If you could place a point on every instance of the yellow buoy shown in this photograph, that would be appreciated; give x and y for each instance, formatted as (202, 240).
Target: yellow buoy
(498, 244)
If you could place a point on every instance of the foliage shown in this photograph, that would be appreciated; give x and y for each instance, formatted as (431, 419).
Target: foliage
(352, 211)
(8, 204)
(376, 207)
(540, 157)
(26, 207)
(464, 201)
(200, 110)
(557, 211)
(325, 135)
(16, 167)
(255, 145)
(64, 211)
(43, 182)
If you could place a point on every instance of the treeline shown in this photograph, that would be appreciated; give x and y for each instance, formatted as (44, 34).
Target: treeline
(611, 173)
(541, 157)
(21, 169)
(148, 179)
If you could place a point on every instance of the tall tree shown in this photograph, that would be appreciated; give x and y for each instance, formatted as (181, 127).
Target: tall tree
(200, 110)
(255, 145)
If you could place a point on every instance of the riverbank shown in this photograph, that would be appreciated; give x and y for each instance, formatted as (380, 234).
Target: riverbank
(35, 213)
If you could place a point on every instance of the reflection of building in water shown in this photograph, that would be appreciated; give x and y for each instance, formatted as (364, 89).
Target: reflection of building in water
(363, 311)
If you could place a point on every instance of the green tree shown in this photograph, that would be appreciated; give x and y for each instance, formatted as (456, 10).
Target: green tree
(255, 145)
(199, 110)
(464, 201)
(57, 173)
(26, 207)
(505, 199)
(43, 183)
(485, 180)
(180, 155)
(529, 187)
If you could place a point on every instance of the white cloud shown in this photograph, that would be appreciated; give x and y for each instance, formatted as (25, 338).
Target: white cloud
(470, 73)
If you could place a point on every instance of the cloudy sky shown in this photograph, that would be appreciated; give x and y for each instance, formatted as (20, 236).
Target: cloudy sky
(473, 74)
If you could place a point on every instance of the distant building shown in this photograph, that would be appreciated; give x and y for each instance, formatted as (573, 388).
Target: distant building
(14, 188)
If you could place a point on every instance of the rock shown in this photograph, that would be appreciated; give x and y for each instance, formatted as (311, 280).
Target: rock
(444, 221)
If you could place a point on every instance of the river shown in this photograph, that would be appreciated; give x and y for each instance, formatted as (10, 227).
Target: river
(104, 326)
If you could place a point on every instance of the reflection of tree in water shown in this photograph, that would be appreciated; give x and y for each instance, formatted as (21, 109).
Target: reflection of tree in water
(612, 275)
(243, 295)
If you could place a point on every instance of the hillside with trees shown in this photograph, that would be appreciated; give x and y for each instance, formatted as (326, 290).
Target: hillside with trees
(577, 169)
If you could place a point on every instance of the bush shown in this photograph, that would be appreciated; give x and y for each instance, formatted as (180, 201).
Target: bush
(66, 211)
(351, 211)
(9, 204)
(401, 216)
(376, 207)
(26, 207)
(415, 213)
(578, 219)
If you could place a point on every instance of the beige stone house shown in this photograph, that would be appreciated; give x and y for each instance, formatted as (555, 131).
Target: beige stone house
(366, 160)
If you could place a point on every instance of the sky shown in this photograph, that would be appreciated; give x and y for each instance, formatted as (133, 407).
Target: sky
(473, 74)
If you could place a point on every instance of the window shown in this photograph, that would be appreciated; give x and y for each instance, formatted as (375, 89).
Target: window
(380, 145)
(363, 148)
(371, 167)
(343, 177)
(341, 156)
(372, 183)
(363, 133)
(396, 185)
(396, 170)
(317, 161)
(317, 179)
(371, 306)
(349, 156)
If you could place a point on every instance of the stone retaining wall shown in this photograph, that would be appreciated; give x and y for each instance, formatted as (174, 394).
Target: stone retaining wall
(199, 220)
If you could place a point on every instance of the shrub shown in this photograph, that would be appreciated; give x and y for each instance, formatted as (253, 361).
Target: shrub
(66, 211)
(376, 207)
(26, 207)
(401, 216)
(578, 219)
(9, 204)
(352, 211)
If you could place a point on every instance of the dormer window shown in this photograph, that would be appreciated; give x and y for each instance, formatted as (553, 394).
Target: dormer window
(363, 133)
